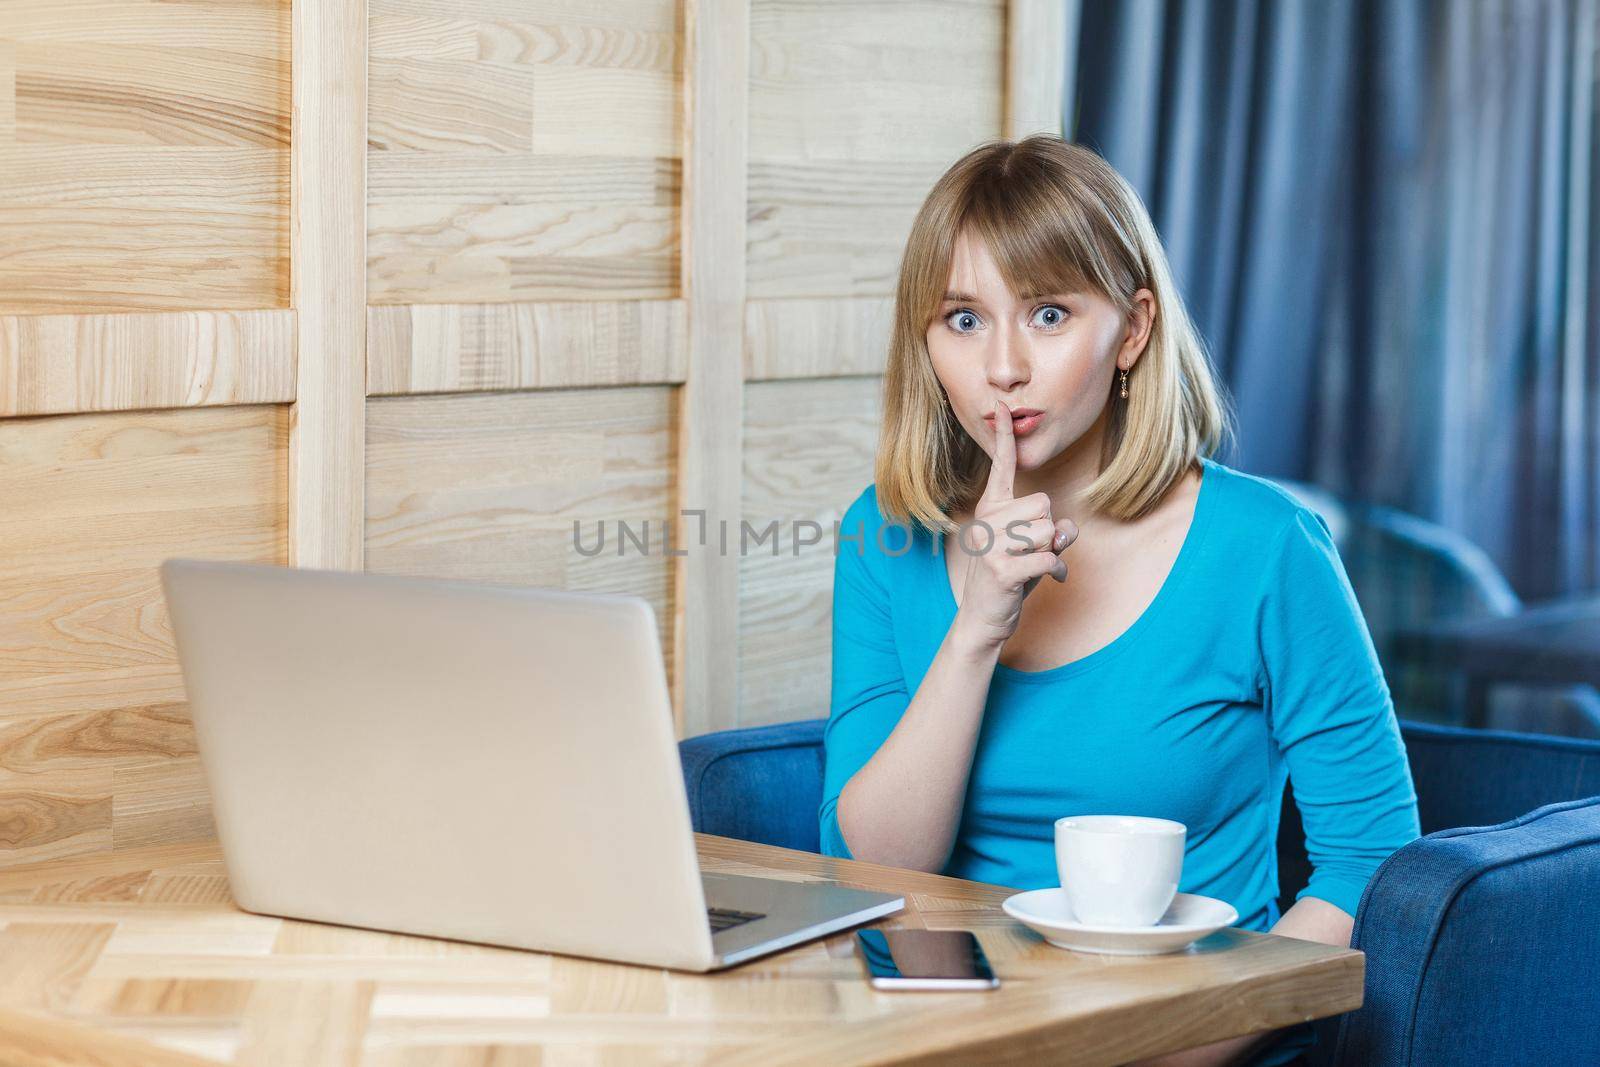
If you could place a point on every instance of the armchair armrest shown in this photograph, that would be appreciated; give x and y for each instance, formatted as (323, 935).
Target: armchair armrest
(1481, 945)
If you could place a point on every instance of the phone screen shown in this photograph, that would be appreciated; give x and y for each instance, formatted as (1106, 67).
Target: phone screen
(925, 959)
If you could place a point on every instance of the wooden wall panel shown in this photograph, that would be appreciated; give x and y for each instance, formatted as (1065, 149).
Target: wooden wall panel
(809, 448)
(854, 112)
(523, 150)
(451, 348)
(96, 750)
(548, 232)
(144, 155)
(487, 487)
(51, 364)
(820, 338)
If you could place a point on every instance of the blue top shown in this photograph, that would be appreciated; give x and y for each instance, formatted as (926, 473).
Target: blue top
(1251, 665)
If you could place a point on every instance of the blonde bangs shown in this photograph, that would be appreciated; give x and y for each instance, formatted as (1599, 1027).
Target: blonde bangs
(1055, 217)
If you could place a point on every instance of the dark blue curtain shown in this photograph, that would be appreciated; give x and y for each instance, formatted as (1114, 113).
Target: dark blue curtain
(1384, 216)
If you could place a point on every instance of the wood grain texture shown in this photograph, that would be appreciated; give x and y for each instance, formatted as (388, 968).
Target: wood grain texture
(852, 118)
(816, 338)
(328, 178)
(489, 486)
(523, 151)
(824, 228)
(52, 364)
(144, 155)
(451, 348)
(112, 968)
(809, 448)
(710, 403)
(1036, 63)
(879, 82)
(96, 749)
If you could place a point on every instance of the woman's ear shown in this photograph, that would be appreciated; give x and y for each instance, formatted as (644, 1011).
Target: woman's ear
(1141, 320)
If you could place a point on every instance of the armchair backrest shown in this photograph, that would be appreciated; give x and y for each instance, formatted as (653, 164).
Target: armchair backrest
(761, 783)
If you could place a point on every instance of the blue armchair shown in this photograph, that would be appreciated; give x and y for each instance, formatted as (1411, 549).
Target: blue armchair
(1481, 938)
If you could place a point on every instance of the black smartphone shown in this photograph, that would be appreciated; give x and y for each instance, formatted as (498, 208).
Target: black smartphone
(925, 959)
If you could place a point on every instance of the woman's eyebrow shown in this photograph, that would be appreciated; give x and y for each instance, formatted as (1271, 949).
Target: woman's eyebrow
(968, 298)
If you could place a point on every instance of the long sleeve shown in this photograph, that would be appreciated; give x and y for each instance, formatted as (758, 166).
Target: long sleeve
(868, 692)
(1331, 714)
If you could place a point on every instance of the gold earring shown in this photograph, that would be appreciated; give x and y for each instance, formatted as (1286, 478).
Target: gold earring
(1124, 385)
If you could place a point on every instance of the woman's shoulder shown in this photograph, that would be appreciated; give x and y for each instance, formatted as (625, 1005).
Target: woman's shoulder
(1263, 534)
(875, 535)
(1272, 540)
(1255, 508)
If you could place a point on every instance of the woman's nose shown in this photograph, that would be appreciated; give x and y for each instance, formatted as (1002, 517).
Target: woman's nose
(1007, 361)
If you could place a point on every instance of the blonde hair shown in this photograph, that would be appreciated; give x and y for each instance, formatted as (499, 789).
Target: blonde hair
(1057, 218)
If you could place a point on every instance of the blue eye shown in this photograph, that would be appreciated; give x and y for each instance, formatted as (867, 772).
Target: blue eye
(1059, 311)
(962, 315)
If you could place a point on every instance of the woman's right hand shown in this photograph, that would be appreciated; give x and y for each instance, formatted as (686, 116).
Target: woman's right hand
(1026, 545)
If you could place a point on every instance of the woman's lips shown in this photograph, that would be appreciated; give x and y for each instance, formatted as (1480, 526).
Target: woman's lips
(1023, 420)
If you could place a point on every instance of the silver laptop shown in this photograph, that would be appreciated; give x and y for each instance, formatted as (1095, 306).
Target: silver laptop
(477, 762)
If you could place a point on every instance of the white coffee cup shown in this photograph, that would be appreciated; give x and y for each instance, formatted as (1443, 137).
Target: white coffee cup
(1119, 870)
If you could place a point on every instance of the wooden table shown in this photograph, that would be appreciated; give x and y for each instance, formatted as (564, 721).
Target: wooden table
(1554, 643)
(139, 958)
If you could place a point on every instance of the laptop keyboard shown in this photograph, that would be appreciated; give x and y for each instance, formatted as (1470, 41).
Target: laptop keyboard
(727, 918)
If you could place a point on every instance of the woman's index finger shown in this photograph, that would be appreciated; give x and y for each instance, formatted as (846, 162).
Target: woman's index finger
(1003, 467)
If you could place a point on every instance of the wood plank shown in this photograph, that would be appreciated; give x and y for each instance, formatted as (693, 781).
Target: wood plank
(96, 748)
(419, 180)
(146, 162)
(809, 451)
(249, 27)
(120, 93)
(523, 151)
(52, 813)
(600, 110)
(842, 147)
(832, 227)
(496, 487)
(64, 363)
(450, 348)
(876, 84)
(710, 412)
(328, 177)
(450, 105)
(816, 338)
(30, 1041)
(1036, 62)
(576, 22)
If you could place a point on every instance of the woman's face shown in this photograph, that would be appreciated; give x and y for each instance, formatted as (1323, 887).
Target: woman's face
(1055, 354)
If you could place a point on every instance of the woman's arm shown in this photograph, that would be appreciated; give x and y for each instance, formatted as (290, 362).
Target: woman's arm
(1332, 717)
(903, 807)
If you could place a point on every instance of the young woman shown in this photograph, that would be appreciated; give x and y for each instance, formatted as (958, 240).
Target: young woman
(1198, 642)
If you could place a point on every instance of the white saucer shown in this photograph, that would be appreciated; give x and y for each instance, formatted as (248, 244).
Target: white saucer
(1188, 919)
